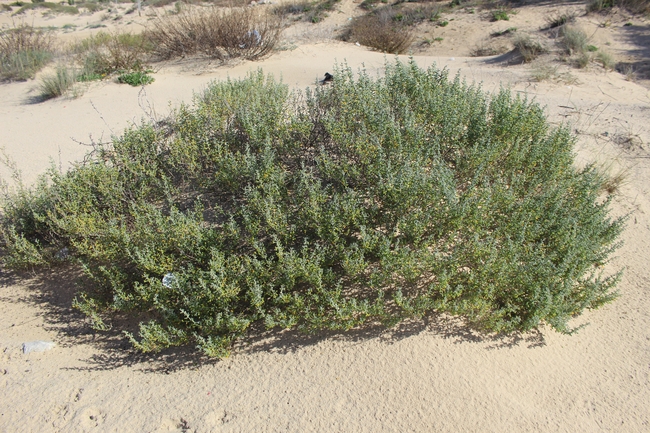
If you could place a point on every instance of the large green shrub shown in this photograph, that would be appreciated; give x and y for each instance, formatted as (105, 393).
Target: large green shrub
(371, 200)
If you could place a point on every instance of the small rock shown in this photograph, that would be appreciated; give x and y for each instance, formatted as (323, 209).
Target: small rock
(37, 346)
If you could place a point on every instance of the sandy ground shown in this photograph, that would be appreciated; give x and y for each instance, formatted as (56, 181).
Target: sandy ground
(430, 375)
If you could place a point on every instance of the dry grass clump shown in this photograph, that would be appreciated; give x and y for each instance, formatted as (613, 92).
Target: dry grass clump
(24, 50)
(573, 40)
(605, 59)
(214, 32)
(528, 48)
(559, 20)
(381, 30)
(58, 83)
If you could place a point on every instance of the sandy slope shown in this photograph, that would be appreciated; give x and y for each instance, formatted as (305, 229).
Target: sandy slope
(432, 375)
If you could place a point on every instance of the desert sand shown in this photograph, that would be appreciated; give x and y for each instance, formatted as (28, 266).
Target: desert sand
(429, 375)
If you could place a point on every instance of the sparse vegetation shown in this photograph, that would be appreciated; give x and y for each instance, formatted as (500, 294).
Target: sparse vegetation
(24, 50)
(634, 6)
(528, 48)
(367, 201)
(487, 49)
(574, 40)
(606, 60)
(295, 8)
(499, 15)
(547, 72)
(106, 53)
(505, 32)
(382, 31)
(58, 83)
(54, 7)
(583, 60)
(629, 72)
(216, 33)
(311, 11)
(559, 20)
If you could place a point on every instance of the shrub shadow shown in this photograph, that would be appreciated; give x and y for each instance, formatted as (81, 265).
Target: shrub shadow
(54, 289)
(639, 37)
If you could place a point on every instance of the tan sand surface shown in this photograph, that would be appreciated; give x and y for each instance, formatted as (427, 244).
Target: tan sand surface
(425, 376)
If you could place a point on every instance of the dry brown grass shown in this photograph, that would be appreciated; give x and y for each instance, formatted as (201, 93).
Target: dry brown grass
(381, 31)
(217, 33)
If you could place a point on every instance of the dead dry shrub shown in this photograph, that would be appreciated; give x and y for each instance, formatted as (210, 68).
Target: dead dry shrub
(216, 33)
(382, 31)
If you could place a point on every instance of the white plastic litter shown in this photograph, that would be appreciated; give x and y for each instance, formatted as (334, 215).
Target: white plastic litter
(37, 346)
(168, 280)
(254, 37)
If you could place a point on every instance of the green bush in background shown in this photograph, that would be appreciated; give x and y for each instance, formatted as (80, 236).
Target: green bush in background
(371, 200)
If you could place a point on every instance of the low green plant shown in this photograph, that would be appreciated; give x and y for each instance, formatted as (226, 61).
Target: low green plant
(368, 201)
(137, 78)
(592, 48)
(499, 15)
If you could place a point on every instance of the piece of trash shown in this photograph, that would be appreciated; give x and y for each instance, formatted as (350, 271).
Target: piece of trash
(328, 78)
(37, 346)
(254, 37)
(168, 280)
(358, 44)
